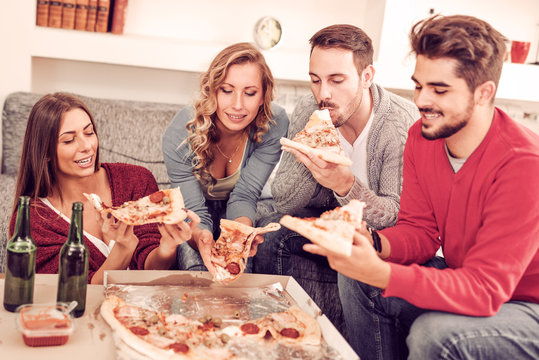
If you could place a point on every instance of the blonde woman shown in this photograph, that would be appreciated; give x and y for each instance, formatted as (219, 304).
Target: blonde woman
(222, 151)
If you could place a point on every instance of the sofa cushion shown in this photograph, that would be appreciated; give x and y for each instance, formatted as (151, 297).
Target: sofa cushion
(129, 131)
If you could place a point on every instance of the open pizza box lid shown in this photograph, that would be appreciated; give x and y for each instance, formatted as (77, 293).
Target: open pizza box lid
(203, 279)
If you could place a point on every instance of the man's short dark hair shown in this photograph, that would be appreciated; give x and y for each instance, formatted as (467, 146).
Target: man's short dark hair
(347, 37)
(477, 46)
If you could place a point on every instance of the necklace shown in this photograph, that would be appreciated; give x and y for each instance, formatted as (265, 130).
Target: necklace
(229, 158)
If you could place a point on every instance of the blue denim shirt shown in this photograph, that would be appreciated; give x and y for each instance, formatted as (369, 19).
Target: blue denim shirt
(258, 162)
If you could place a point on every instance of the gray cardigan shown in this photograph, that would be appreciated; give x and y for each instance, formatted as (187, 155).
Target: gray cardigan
(295, 188)
(258, 162)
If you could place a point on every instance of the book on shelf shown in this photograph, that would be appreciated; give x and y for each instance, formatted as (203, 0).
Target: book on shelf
(103, 11)
(68, 14)
(92, 15)
(42, 14)
(55, 13)
(118, 16)
(81, 14)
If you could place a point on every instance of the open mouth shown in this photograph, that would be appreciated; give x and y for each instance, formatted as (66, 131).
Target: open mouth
(86, 161)
(236, 117)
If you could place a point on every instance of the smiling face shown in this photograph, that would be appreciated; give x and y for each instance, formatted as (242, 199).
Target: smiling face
(335, 82)
(77, 145)
(239, 97)
(445, 101)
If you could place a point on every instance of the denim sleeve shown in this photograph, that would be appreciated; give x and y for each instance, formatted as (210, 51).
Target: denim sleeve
(178, 161)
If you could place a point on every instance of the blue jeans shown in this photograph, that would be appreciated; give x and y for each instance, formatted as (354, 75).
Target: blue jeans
(188, 258)
(391, 328)
(274, 254)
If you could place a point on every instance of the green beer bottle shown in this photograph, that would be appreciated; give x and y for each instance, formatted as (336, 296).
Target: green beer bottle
(20, 261)
(73, 264)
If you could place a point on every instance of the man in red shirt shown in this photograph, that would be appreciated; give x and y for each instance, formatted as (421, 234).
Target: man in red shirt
(471, 186)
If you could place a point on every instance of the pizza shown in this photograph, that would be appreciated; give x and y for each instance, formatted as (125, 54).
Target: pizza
(333, 230)
(291, 326)
(320, 137)
(161, 335)
(230, 252)
(163, 206)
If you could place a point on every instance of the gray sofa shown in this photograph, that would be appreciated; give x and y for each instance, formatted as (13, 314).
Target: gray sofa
(130, 132)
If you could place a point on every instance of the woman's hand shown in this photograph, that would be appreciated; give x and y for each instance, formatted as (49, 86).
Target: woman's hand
(124, 242)
(259, 239)
(204, 243)
(119, 233)
(172, 235)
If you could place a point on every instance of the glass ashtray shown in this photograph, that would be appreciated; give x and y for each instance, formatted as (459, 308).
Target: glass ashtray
(45, 324)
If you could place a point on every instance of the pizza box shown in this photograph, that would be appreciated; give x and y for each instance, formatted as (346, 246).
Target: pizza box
(203, 279)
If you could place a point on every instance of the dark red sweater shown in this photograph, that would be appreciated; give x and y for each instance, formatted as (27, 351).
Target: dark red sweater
(49, 231)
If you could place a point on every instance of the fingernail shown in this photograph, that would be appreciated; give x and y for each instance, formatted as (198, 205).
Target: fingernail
(109, 215)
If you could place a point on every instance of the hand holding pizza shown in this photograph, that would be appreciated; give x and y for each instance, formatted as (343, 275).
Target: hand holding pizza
(363, 265)
(204, 242)
(118, 232)
(173, 235)
(330, 175)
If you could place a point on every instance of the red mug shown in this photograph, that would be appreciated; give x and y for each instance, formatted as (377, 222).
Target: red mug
(519, 51)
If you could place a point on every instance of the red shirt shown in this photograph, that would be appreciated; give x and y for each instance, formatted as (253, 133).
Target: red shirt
(49, 231)
(485, 217)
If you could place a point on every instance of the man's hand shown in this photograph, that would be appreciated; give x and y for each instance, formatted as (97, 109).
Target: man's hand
(338, 178)
(363, 264)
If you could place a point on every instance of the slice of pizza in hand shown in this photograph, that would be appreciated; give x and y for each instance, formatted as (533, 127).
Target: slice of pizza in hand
(333, 230)
(163, 206)
(321, 137)
(230, 252)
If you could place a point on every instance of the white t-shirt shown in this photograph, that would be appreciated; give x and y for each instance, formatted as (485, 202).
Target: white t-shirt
(358, 152)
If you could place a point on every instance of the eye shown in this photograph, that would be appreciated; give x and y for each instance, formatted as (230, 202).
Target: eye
(250, 93)
(89, 133)
(440, 92)
(418, 87)
(315, 81)
(226, 91)
(337, 81)
(68, 141)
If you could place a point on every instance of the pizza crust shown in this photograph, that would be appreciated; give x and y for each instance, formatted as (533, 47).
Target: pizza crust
(332, 155)
(107, 312)
(337, 235)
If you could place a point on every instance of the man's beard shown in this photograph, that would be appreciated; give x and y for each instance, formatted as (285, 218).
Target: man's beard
(448, 129)
(340, 119)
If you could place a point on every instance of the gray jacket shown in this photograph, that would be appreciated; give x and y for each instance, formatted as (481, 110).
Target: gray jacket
(295, 188)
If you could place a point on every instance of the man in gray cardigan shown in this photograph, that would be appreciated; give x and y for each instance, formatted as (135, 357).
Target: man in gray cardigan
(372, 124)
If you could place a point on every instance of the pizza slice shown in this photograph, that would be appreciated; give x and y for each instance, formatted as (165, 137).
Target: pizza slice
(333, 230)
(163, 206)
(230, 252)
(319, 136)
(290, 326)
(163, 336)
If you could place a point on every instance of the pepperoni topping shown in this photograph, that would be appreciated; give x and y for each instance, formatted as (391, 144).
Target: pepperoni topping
(250, 328)
(157, 197)
(179, 347)
(137, 330)
(290, 333)
(233, 268)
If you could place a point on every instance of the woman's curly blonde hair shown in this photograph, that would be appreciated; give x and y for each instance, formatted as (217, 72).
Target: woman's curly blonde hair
(202, 130)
